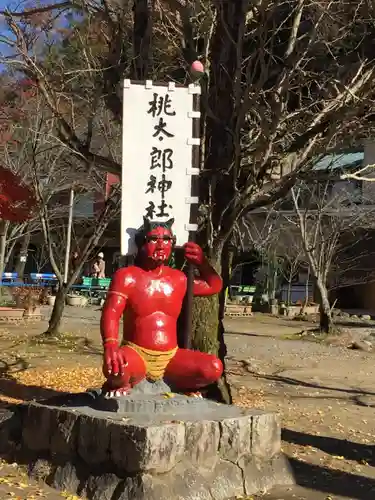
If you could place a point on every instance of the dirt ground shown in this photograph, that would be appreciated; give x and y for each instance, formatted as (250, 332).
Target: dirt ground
(325, 395)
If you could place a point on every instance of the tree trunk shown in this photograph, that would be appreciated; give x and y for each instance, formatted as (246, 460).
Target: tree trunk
(273, 281)
(21, 260)
(220, 159)
(208, 327)
(3, 243)
(305, 302)
(53, 329)
(142, 32)
(289, 292)
(326, 321)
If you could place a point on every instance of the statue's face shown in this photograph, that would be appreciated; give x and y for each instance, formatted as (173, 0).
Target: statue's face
(159, 244)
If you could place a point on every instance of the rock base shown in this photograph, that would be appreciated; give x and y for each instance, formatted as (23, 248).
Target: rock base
(192, 450)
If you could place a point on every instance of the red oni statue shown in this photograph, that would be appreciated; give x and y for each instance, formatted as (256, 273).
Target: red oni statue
(151, 295)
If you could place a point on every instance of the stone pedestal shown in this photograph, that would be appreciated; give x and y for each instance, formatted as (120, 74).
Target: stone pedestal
(150, 447)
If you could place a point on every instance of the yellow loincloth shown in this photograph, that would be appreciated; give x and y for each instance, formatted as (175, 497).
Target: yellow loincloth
(156, 361)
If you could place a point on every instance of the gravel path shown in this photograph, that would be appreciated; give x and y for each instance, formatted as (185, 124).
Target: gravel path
(321, 392)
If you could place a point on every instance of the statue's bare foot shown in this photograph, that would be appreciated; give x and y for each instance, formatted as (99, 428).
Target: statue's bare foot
(196, 394)
(110, 392)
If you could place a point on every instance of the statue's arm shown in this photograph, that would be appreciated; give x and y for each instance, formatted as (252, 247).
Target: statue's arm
(113, 308)
(208, 282)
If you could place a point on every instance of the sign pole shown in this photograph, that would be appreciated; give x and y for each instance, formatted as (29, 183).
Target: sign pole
(188, 313)
(69, 235)
(189, 308)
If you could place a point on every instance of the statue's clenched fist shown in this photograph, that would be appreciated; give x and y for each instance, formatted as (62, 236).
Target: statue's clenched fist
(194, 254)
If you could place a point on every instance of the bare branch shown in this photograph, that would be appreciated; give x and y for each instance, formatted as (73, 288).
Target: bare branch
(39, 10)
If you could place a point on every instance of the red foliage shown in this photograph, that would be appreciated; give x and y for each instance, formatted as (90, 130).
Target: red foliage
(16, 200)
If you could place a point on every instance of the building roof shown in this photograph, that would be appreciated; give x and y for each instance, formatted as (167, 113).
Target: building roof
(343, 161)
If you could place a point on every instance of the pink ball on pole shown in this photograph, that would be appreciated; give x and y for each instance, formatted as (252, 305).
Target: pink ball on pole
(197, 69)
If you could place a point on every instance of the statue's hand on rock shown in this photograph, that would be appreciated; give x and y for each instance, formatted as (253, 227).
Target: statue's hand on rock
(194, 254)
(114, 360)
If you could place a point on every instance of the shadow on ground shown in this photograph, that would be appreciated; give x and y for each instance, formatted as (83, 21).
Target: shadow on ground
(355, 324)
(340, 447)
(303, 383)
(333, 482)
(250, 334)
(12, 388)
(72, 343)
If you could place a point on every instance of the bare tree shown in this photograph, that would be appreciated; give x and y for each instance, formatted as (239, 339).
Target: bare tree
(61, 175)
(10, 233)
(13, 159)
(331, 222)
(47, 164)
(291, 257)
(271, 236)
(90, 239)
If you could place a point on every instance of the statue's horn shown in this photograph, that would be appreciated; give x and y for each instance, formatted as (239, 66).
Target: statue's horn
(169, 223)
(146, 224)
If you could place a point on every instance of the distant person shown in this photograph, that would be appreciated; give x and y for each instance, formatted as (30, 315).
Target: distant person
(98, 268)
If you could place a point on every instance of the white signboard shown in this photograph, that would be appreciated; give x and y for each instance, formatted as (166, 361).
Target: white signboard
(157, 158)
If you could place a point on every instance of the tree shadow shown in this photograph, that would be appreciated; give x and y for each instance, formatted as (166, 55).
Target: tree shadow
(72, 343)
(333, 446)
(333, 482)
(302, 383)
(12, 388)
(18, 365)
(248, 334)
(355, 324)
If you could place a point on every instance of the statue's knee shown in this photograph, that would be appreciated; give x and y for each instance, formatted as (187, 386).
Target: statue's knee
(213, 369)
(218, 368)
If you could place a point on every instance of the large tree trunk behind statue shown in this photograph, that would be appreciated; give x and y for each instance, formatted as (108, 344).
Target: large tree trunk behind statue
(217, 189)
(208, 328)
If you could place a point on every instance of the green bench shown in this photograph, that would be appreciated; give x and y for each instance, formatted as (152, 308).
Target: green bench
(96, 282)
(95, 287)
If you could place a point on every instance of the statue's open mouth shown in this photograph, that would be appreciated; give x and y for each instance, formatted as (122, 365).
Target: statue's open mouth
(159, 255)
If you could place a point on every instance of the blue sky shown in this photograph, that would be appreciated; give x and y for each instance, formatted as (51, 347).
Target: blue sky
(5, 3)
(19, 6)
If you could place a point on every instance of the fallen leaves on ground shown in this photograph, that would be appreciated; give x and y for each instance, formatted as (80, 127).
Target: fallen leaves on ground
(35, 382)
(40, 383)
(249, 398)
(14, 483)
